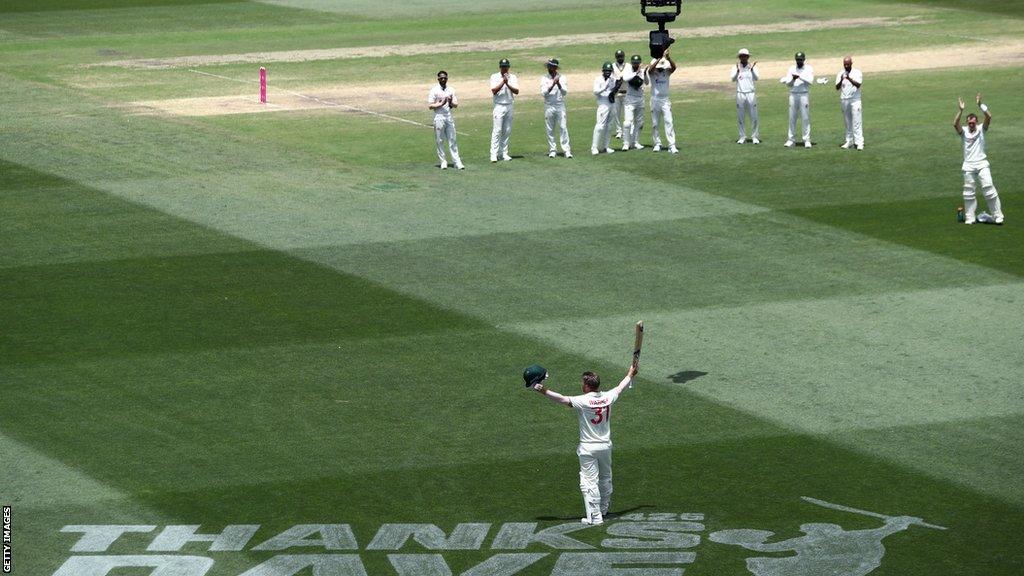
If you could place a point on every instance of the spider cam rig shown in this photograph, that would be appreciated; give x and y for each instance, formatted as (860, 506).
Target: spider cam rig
(660, 12)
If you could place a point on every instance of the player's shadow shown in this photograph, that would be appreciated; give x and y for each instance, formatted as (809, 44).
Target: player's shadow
(686, 375)
(611, 515)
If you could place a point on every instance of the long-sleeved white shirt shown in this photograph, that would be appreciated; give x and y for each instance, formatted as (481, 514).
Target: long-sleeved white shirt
(553, 95)
(438, 93)
(635, 95)
(744, 77)
(848, 91)
(603, 87)
(504, 96)
(802, 84)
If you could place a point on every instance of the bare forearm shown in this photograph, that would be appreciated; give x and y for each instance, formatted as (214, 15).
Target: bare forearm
(552, 395)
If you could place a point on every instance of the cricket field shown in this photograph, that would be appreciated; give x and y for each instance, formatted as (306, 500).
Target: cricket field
(281, 326)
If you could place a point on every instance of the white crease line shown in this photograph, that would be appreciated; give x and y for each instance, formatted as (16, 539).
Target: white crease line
(325, 102)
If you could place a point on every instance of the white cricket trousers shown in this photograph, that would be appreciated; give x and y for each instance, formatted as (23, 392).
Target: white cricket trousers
(601, 133)
(501, 130)
(661, 111)
(633, 123)
(595, 477)
(854, 119)
(800, 104)
(746, 103)
(554, 117)
(444, 129)
(984, 175)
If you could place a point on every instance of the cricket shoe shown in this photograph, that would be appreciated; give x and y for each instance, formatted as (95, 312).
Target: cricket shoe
(552, 154)
(969, 219)
(493, 159)
(506, 158)
(860, 146)
(460, 166)
(673, 150)
(756, 141)
(609, 151)
(657, 148)
(594, 151)
(846, 145)
(597, 520)
(568, 154)
(444, 165)
(741, 141)
(789, 144)
(807, 143)
(638, 146)
(625, 147)
(618, 135)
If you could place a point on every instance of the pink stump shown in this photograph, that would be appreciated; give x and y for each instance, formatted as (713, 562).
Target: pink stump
(263, 85)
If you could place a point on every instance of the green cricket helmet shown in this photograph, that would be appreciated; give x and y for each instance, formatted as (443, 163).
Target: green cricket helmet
(503, 63)
(636, 59)
(534, 374)
(606, 67)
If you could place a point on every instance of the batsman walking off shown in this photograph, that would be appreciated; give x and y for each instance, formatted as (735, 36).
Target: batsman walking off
(593, 408)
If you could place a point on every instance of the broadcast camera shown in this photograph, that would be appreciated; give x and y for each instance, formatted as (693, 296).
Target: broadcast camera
(662, 12)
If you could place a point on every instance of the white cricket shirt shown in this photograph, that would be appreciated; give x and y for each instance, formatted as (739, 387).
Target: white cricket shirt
(594, 411)
(801, 85)
(635, 95)
(659, 79)
(974, 149)
(744, 77)
(438, 93)
(603, 87)
(556, 97)
(504, 96)
(848, 91)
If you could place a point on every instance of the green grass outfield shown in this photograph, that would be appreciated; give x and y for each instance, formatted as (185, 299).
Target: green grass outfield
(295, 318)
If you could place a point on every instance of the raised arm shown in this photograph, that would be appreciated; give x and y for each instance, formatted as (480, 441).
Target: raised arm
(984, 110)
(735, 72)
(551, 394)
(753, 72)
(625, 381)
(959, 114)
(671, 62)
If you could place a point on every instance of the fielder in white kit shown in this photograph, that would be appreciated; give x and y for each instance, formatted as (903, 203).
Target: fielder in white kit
(848, 82)
(442, 100)
(635, 78)
(744, 75)
(976, 165)
(799, 79)
(660, 72)
(618, 69)
(593, 409)
(504, 88)
(605, 87)
(553, 88)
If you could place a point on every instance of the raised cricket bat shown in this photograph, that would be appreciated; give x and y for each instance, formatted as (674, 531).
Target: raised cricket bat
(637, 343)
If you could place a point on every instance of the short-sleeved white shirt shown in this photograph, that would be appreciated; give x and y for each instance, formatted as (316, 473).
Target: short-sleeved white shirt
(974, 149)
(438, 93)
(504, 96)
(553, 96)
(848, 91)
(594, 411)
(659, 83)
(744, 77)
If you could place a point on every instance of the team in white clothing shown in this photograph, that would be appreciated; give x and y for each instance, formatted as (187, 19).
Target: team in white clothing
(620, 90)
